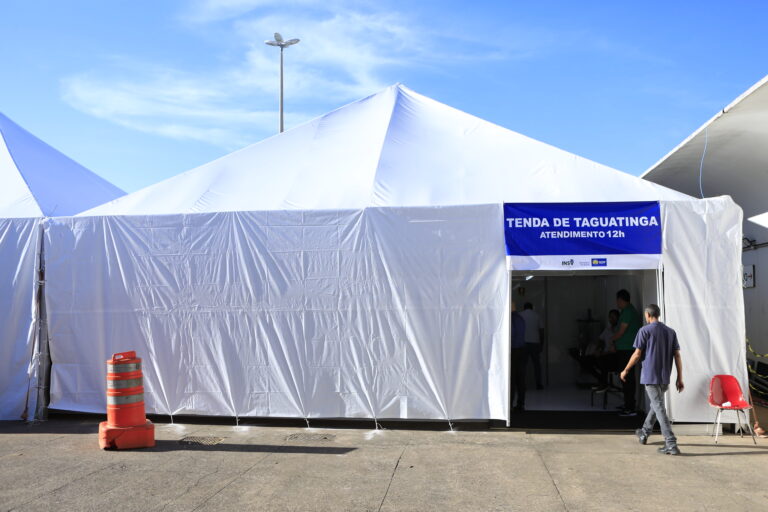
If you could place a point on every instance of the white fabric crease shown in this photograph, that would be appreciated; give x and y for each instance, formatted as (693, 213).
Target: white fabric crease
(374, 313)
(19, 259)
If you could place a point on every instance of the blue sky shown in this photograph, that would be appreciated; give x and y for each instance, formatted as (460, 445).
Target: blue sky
(141, 90)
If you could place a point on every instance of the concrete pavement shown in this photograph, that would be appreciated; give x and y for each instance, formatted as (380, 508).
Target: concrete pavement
(57, 465)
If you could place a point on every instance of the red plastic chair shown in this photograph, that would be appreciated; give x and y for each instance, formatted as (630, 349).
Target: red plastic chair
(725, 394)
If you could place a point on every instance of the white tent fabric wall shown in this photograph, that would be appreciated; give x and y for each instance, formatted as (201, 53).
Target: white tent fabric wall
(703, 298)
(19, 252)
(374, 313)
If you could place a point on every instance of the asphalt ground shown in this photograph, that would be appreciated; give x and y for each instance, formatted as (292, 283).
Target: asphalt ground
(57, 465)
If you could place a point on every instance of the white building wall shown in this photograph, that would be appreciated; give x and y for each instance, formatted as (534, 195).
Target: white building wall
(756, 300)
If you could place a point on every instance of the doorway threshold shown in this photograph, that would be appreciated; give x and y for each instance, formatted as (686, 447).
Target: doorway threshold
(581, 422)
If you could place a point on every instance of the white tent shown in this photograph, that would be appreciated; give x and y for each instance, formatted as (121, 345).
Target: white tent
(395, 148)
(35, 181)
(351, 267)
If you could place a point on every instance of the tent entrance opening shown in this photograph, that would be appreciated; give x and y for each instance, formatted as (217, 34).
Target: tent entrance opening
(573, 312)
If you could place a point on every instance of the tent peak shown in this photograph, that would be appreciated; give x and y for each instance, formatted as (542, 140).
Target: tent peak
(392, 148)
(40, 180)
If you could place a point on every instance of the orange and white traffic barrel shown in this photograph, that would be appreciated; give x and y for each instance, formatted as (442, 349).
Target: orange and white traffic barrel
(127, 425)
(125, 391)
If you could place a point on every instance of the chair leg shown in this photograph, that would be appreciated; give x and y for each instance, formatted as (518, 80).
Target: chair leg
(717, 424)
(749, 426)
(741, 426)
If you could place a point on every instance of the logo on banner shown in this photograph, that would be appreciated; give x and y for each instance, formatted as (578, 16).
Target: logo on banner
(582, 235)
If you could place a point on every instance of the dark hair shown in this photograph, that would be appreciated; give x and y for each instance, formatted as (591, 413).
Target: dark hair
(653, 311)
(614, 312)
(527, 305)
(623, 295)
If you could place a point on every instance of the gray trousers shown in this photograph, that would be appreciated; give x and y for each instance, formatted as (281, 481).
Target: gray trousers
(657, 411)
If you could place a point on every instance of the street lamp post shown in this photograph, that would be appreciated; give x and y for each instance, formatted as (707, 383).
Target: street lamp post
(282, 44)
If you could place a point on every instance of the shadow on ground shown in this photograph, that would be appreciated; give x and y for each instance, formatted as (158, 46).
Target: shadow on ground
(531, 422)
(173, 446)
(74, 422)
(79, 426)
(740, 450)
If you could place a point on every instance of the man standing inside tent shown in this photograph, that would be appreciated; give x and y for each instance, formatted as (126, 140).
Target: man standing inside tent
(517, 360)
(623, 339)
(534, 336)
(656, 346)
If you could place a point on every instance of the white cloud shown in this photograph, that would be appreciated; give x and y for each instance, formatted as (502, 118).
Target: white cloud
(171, 106)
(208, 11)
(348, 50)
(342, 57)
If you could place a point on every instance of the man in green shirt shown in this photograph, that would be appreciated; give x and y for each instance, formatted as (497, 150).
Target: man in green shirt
(629, 323)
(618, 356)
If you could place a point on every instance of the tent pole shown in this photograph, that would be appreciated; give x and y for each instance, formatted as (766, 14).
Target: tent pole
(660, 303)
(281, 91)
(509, 345)
(43, 351)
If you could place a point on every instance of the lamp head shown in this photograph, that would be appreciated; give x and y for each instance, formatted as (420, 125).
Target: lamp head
(280, 42)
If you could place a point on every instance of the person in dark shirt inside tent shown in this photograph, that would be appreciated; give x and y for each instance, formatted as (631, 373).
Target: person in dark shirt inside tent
(534, 337)
(629, 323)
(517, 360)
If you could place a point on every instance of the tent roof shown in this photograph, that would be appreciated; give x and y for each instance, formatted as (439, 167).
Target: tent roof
(395, 148)
(38, 181)
(736, 157)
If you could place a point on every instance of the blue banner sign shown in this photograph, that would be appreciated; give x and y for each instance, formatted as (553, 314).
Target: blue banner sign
(582, 236)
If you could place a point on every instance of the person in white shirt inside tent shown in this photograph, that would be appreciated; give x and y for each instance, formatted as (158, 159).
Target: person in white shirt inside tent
(590, 358)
